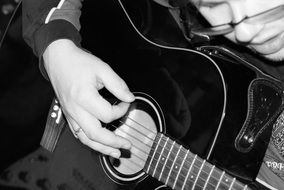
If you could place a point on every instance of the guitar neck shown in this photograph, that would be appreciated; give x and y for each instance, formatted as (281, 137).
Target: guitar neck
(178, 168)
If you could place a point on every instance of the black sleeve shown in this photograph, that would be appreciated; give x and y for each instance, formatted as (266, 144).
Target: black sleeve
(39, 35)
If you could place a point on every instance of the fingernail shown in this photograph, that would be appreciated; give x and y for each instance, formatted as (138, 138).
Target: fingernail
(131, 97)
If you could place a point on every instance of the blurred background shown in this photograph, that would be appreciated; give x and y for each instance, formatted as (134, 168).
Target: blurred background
(25, 96)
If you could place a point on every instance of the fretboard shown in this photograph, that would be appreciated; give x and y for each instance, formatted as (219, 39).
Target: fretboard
(178, 168)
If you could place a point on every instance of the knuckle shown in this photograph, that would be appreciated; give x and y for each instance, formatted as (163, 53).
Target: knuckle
(93, 136)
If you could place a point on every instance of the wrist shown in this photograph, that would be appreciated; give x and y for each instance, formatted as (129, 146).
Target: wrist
(56, 50)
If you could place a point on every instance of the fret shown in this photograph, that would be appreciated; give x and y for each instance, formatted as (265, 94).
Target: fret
(183, 170)
(234, 179)
(214, 177)
(209, 175)
(219, 181)
(172, 174)
(194, 174)
(152, 154)
(156, 155)
(188, 172)
(181, 158)
(179, 169)
(160, 162)
(165, 160)
(204, 175)
(197, 176)
(226, 182)
(239, 186)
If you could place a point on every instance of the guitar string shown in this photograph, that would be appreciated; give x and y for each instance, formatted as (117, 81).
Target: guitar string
(167, 149)
(154, 133)
(188, 179)
(193, 172)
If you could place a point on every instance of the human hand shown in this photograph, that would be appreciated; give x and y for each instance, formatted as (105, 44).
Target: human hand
(77, 77)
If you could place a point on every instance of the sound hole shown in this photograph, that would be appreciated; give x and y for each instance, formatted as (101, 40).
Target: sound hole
(140, 126)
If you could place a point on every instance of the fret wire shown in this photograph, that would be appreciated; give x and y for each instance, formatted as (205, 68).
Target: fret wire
(140, 149)
(220, 179)
(153, 156)
(199, 178)
(234, 179)
(189, 171)
(207, 180)
(172, 167)
(180, 166)
(226, 181)
(144, 135)
(196, 178)
(165, 163)
(197, 184)
(212, 177)
(133, 127)
(163, 149)
(194, 175)
(240, 184)
(203, 171)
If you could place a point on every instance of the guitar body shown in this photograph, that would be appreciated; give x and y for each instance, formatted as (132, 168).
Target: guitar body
(209, 99)
(216, 90)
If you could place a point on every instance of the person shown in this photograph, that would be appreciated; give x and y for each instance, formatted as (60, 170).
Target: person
(257, 25)
(51, 28)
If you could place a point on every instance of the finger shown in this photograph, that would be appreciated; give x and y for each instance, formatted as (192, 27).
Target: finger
(94, 131)
(101, 109)
(74, 127)
(116, 85)
(107, 150)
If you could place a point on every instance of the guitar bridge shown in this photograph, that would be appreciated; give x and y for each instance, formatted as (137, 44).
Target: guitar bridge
(264, 106)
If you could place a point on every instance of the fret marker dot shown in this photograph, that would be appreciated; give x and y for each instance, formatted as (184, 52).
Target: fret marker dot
(191, 177)
(176, 167)
(226, 180)
(53, 114)
(56, 107)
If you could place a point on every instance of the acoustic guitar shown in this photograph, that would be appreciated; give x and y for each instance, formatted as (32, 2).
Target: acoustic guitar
(220, 106)
(202, 117)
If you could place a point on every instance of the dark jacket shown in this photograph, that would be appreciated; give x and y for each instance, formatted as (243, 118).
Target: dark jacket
(45, 21)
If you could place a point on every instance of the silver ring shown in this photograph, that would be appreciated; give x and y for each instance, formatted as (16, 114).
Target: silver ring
(78, 131)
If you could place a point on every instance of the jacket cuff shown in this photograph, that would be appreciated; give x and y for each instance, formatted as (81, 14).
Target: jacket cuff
(54, 30)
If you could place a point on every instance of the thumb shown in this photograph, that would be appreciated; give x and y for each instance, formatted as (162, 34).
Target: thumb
(116, 85)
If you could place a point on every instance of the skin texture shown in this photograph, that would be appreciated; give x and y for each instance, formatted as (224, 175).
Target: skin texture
(77, 76)
(265, 39)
